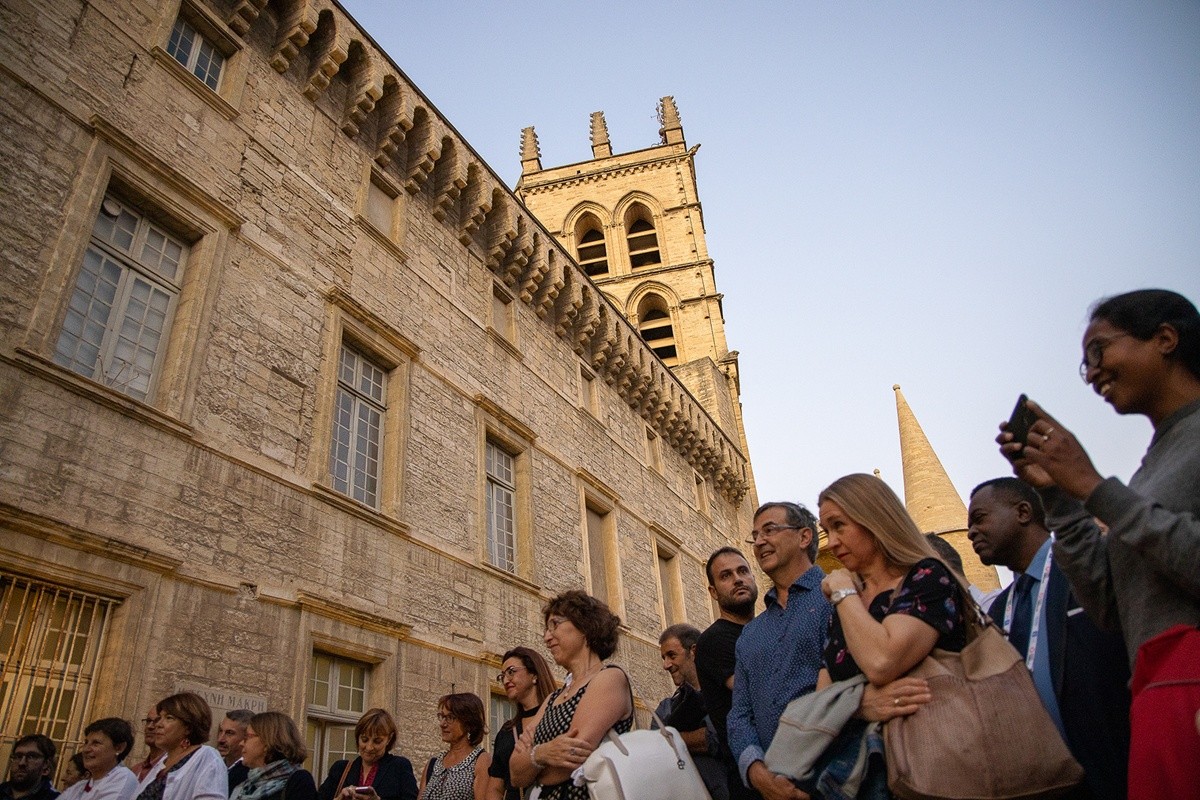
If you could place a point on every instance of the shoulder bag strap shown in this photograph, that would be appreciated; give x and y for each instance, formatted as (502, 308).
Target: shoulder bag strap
(342, 781)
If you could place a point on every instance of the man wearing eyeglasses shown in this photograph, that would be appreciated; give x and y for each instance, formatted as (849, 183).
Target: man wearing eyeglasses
(29, 770)
(779, 651)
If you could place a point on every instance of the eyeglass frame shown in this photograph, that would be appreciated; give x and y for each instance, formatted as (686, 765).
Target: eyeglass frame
(445, 717)
(770, 529)
(511, 671)
(1093, 353)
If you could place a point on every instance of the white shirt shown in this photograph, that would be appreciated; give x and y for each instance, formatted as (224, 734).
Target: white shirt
(152, 774)
(119, 784)
(203, 777)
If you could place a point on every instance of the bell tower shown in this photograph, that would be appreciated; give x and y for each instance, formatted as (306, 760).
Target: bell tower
(635, 224)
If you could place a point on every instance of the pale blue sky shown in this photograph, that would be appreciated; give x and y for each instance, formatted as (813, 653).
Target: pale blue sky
(929, 194)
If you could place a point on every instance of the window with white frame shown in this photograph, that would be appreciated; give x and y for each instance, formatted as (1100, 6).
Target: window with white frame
(337, 697)
(50, 642)
(196, 53)
(501, 493)
(354, 452)
(120, 311)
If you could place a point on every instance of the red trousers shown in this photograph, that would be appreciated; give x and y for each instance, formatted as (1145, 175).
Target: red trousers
(1164, 748)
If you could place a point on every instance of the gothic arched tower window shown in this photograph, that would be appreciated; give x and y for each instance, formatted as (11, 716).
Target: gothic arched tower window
(642, 238)
(593, 253)
(654, 325)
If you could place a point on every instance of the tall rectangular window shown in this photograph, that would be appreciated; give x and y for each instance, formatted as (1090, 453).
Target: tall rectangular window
(358, 427)
(669, 584)
(598, 521)
(196, 53)
(120, 311)
(50, 640)
(501, 508)
(587, 389)
(502, 314)
(500, 710)
(701, 493)
(653, 454)
(337, 697)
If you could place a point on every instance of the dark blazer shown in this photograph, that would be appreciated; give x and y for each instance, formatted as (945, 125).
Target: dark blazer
(394, 779)
(1090, 671)
(237, 774)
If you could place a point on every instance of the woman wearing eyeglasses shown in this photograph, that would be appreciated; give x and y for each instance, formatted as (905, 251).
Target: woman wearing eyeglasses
(526, 679)
(581, 633)
(1141, 354)
(274, 751)
(460, 772)
(192, 770)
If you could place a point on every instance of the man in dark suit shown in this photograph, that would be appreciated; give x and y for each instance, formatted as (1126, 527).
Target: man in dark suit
(231, 735)
(1081, 672)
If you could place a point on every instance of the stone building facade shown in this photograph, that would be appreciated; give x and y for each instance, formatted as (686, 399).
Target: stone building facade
(301, 407)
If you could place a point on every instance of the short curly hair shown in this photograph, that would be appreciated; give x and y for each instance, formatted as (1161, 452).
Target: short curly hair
(599, 626)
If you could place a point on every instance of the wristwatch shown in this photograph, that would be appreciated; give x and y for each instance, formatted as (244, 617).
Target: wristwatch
(840, 595)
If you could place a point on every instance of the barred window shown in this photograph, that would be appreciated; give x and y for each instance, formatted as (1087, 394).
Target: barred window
(337, 697)
(196, 53)
(501, 508)
(120, 311)
(50, 640)
(354, 452)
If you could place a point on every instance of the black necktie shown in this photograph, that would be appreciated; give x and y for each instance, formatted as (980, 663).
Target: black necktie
(1022, 607)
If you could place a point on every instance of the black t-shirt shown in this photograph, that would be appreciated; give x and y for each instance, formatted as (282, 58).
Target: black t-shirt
(502, 750)
(715, 661)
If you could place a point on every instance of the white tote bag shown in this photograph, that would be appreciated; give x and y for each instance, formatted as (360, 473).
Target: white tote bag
(643, 765)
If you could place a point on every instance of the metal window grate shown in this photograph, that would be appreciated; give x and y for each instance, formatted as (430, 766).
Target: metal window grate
(50, 640)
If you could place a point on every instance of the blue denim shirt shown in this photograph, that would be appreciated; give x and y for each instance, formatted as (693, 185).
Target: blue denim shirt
(778, 658)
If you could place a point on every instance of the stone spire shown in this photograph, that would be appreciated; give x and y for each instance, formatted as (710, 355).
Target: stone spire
(930, 497)
(601, 147)
(531, 151)
(670, 128)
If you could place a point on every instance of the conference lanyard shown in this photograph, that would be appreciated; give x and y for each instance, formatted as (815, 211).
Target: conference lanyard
(1036, 622)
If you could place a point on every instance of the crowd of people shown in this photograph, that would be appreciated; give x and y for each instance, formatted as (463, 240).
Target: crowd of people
(1105, 612)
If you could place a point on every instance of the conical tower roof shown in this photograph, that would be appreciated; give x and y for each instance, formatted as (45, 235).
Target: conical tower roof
(931, 498)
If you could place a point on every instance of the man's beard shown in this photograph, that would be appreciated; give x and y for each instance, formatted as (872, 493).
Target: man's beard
(744, 608)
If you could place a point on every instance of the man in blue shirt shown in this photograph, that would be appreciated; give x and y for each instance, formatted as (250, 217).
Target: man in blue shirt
(1081, 672)
(779, 651)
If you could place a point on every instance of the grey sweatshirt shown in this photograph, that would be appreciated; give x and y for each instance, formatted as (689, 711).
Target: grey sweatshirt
(1143, 577)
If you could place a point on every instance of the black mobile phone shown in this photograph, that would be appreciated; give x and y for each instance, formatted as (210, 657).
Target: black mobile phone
(1021, 421)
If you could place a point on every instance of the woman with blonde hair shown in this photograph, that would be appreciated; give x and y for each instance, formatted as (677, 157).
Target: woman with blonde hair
(274, 751)
(895, 600)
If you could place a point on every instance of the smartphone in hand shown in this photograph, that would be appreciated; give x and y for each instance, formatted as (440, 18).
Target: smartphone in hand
(1020, 422)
